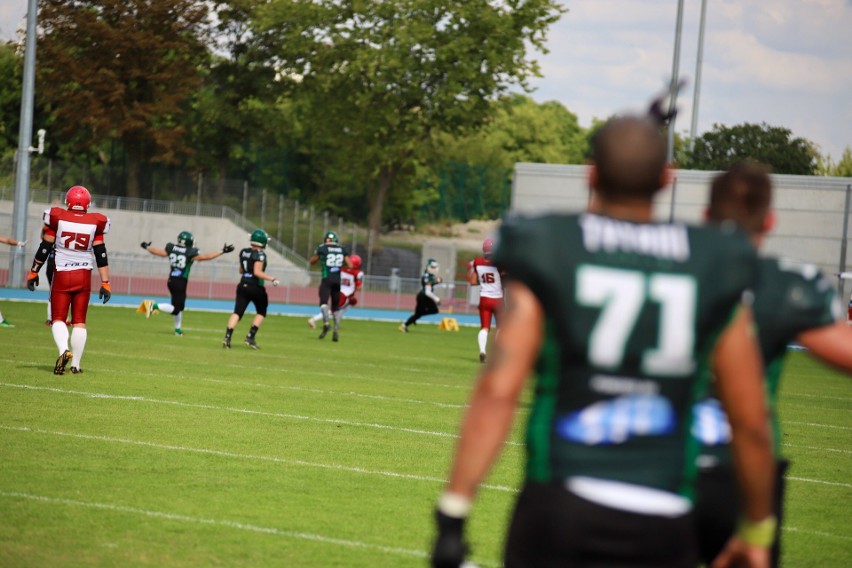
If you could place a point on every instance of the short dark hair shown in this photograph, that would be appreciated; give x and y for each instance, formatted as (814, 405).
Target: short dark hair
(741, 194)
(629, 153)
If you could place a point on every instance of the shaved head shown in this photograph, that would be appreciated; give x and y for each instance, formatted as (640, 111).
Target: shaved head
(629, 155)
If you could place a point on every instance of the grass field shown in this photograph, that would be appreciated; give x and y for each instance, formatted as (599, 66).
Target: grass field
(170, 451)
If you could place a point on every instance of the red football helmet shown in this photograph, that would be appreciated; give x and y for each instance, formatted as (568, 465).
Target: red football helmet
(355, 260)
(78, 198)
(487, 246)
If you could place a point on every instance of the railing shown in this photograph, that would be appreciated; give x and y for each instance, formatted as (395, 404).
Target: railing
(135, 275)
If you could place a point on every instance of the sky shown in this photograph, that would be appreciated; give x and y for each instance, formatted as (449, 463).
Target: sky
(787, 63)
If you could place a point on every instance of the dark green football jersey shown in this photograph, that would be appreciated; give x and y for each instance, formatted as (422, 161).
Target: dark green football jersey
(180, 259)
(248, 256)
(791, 297)
(427, 280)
(331, 257)
(632, 313)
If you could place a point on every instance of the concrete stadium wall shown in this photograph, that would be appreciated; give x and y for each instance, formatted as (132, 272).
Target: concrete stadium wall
(130, 228)
(810, 209)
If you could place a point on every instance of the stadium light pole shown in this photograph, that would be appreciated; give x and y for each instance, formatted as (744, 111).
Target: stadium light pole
(25, 137)
(699, 63)
(675, 69)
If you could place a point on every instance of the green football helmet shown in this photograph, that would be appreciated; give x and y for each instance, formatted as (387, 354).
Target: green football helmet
(259, 238)
(331, 237)
(185, 239)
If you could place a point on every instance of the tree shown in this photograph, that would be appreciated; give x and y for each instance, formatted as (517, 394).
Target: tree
(771, 145)
(10, 96)
(121, 70)
(376, 79)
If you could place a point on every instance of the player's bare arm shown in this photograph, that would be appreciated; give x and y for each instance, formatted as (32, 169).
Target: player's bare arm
(154, 250)
(495, 397)
(259, 273)
(739, 378)
(831, 344)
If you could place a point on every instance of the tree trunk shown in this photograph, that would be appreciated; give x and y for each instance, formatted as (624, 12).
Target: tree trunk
(377, 197)
(220, 186)
(134, 167)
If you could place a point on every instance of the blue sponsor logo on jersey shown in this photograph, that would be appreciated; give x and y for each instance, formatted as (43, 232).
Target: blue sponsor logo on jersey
(617, 420)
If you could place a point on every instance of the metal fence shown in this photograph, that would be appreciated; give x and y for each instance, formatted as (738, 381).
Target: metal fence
(217, 279)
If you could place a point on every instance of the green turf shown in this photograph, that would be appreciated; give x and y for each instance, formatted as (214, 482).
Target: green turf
(170, 451)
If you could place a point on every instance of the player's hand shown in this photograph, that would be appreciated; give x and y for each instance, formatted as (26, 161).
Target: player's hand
(741, 554)
(21, 244)
(275, 282)
(32, 281)
(105, 293)
(145, 244)
(450, 548)
(227, 248)
(438, 280)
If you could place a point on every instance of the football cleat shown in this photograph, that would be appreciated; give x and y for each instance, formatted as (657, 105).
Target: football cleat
(482, 357)
(334, 336)
(324, 331)
(251, 342)
(76, 370)
(403, 328)
(4, 323)
(64, 359)
(311, 323)
(179, 333)
(226, 343)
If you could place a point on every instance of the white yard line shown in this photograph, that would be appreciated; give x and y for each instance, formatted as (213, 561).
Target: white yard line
(234, 455)
(241, 411)
(297, 535)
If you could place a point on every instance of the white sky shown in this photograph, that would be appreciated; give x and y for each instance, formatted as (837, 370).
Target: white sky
(784, 62)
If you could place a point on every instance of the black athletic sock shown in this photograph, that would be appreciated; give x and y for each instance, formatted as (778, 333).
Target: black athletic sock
(252, 331)
(228, 332)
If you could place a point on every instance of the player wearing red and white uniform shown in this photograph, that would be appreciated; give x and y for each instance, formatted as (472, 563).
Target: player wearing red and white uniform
(77, 239)
(351, 280)
(482, 272)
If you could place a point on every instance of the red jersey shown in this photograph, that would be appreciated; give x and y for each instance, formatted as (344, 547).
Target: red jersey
(76, 233)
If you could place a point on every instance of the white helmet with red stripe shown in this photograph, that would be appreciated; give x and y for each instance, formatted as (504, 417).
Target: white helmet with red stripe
(78, 198)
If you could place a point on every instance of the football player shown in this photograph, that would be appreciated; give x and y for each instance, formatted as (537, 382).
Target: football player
(793, 302)
(77, 237)
(427, 300)
(15, 243)
(351, 280)
(181, 256)
(332, 258)
(251, 289)
(614, 315)
(482, 272)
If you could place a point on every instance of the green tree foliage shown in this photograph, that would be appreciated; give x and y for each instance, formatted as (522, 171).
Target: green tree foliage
(235, 108)
(771, 145)
(375, 79)
(121, 70)
(10, 96)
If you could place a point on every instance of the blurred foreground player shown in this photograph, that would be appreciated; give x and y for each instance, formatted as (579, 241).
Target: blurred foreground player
(616, 333)
(793, 302)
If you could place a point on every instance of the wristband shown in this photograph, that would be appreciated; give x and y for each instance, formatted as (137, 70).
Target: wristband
(454, 505)
(759, 533)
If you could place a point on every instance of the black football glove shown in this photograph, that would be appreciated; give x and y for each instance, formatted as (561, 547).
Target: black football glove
(145, 244)
(227, 248)
(32, 281)
(105, 294)
(450, 548)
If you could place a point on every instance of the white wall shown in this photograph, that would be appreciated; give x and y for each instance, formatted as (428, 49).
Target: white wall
(130, 228)
(810, 209)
